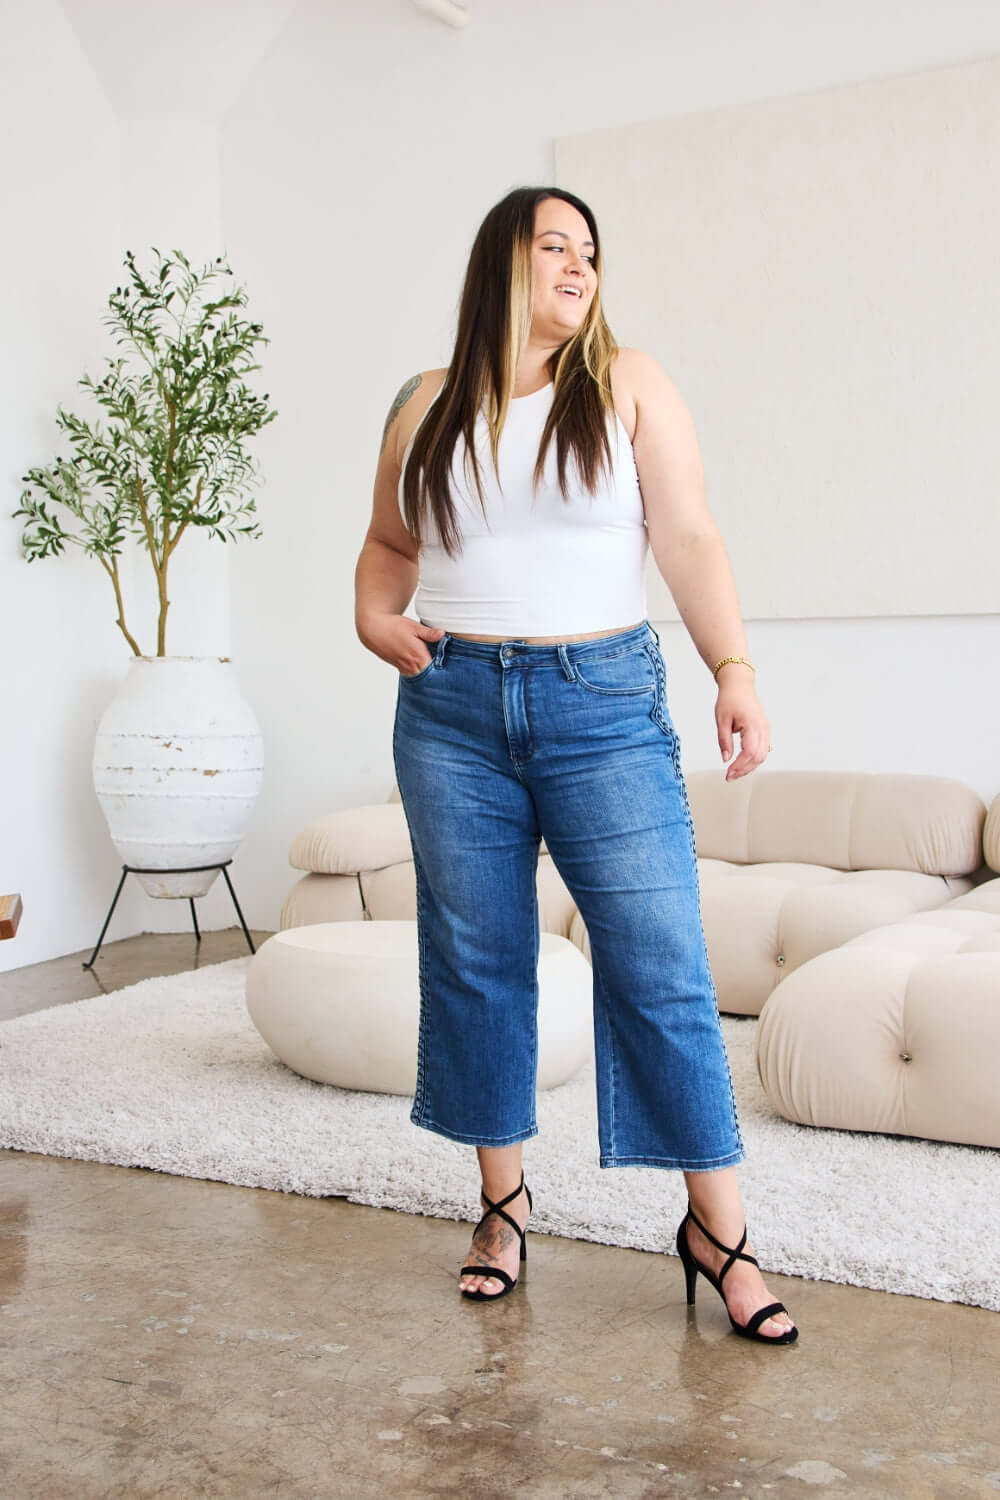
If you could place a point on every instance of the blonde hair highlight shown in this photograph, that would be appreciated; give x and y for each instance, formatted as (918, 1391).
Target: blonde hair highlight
(494, 325)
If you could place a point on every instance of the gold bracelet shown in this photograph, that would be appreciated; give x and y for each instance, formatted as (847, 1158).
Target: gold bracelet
(719, 665)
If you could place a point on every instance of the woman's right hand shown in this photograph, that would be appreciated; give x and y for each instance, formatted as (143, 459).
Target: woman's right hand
(400, 641)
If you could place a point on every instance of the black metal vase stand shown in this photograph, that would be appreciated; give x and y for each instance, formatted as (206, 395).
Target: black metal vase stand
(184, 870)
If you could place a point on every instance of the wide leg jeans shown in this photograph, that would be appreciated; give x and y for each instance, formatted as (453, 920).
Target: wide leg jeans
(495, 746)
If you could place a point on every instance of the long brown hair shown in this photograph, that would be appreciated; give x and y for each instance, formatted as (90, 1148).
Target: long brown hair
(494, 322)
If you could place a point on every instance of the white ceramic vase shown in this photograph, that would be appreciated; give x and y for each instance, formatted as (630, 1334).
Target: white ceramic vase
(178, 765)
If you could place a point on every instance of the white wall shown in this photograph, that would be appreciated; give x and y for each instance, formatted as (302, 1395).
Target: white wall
(379, 151)
(819, 272)
(59, 258)
(83, 185)
(354, 166)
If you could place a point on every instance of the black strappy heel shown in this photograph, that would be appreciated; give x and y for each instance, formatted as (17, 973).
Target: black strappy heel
(692, 1266)
(498, 1208)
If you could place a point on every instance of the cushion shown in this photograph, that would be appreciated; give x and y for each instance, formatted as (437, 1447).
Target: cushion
(897, 1031)
(355, 838)
(847, 820)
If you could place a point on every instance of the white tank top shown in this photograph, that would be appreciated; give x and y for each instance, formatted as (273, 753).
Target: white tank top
(536, 565)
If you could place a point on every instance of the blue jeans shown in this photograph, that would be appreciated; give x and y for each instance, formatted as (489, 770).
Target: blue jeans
(495, 746)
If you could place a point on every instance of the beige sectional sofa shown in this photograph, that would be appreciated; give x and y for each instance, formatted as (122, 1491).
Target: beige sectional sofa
(794, 868)
(790, 864)
(898, 1029)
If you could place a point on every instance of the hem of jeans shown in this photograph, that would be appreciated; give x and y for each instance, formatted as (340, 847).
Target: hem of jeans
(671, 1163)
(475, 1140)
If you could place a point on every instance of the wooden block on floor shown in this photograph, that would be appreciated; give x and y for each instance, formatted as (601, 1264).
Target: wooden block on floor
(10, 914)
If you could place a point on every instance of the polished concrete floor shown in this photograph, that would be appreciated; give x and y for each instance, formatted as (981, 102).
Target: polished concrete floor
(172, 1337)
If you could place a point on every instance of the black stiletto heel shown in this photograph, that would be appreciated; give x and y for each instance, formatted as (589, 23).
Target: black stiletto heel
(511, 1281)
(692, 1266)
(690, 1272)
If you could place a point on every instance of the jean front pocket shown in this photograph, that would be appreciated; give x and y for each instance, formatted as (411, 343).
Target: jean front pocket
(414, 676)
(630, 672)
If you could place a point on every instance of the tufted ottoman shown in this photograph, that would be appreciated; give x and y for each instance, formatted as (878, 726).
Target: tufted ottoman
(339, 1002)
(897, 1030)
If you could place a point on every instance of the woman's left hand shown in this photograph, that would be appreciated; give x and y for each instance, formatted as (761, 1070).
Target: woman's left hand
(738, 710)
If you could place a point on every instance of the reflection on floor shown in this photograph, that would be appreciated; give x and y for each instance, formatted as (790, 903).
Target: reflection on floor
(172, 1337)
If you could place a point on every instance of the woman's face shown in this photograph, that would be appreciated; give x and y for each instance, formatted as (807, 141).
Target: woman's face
(562, 256)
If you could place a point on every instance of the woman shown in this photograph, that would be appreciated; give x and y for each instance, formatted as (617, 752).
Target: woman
(520, 487)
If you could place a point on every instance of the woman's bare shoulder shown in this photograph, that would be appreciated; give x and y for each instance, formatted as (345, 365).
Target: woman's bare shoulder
(626, 377)
(411, 401)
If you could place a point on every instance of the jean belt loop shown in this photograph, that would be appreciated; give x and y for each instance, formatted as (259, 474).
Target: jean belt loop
(441, 645)
(567, 666)
(653, 628)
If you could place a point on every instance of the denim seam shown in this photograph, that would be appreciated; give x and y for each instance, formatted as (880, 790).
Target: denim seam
(437, 660)
(658, 710)
(421, 1089)
(603, 692)
(416, 676)
(489, 650)
(626, 692)
(676, 755)
(427, 1123)
(506, 724)
(658, 714)
(610, 655)
(613, 1055)
(676, 1164)
(533, 911)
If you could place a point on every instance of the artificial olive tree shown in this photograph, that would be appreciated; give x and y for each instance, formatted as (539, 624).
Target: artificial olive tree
(172, 454)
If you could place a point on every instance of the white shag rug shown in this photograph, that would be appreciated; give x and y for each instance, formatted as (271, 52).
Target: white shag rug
(171, 1074)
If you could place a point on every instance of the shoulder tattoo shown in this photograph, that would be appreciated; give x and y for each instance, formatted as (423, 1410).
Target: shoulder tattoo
(402, 396)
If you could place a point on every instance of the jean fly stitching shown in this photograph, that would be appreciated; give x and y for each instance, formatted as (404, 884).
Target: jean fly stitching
(506, 721)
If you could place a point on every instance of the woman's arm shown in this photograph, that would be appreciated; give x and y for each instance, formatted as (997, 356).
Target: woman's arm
(387, 570)
(691, 556)
(384, 583)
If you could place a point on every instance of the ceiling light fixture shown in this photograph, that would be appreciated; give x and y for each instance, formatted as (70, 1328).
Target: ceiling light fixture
(452, 12)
